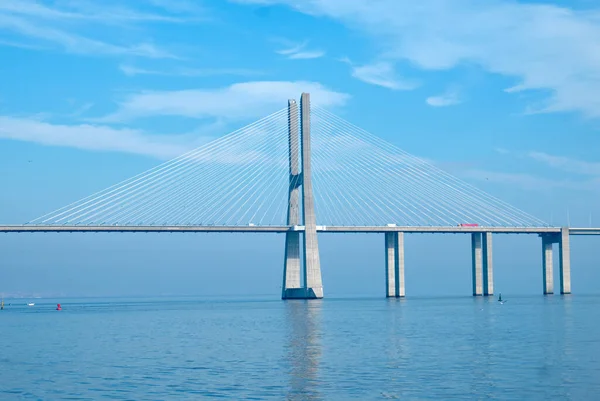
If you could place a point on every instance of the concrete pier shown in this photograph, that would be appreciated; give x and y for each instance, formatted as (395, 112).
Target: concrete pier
(394, 264)
(400, 291)
(564, 259)
(564, 250)
(291, 266)
(390, 264)
(477, 264)
(547, 273)
(488, 266)
(313, 283)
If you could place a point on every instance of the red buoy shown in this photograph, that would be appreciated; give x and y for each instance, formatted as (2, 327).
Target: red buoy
(58, 307)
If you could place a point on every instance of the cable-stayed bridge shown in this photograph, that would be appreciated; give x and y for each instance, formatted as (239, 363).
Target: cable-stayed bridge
(302, 171)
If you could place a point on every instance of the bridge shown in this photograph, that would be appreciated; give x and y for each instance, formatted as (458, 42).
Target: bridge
(301, 166)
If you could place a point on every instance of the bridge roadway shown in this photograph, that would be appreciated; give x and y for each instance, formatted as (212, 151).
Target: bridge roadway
(481, 246)
(284, 229)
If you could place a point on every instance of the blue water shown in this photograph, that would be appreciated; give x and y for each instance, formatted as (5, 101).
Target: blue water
(534, 348)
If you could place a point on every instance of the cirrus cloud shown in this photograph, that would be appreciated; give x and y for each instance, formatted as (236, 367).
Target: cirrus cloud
(542, 46)
(235, 102)
(449, 98)
(96, 137)
(225, 106)
(381, 74)
(80, 27)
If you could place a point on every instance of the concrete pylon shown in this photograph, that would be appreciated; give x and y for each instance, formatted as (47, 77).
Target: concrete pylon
(547, 272)
(312, 283)
(564, 251)
(477, 262)
(394, 264)
(292, 287)
(391, 247)
(488, 264)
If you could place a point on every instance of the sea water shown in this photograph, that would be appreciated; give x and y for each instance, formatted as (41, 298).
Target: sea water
(528, 348)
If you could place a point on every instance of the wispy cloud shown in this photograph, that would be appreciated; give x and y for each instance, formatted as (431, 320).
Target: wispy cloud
(96, 137)
(218, 109)
(186, 7)
(300, 52)
(448, 98)
(105, 13)
(380, 74)
(586, 178)
(80, 110)
(73, 43)
(306, 55)
(20, 45)
(567, 164)
(78, 27)
(531, 182)
(242, 100)
(543, 47)
(563, 163)
(521, 180)
(131, 70)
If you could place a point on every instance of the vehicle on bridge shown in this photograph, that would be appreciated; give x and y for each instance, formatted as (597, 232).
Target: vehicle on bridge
(468, 225)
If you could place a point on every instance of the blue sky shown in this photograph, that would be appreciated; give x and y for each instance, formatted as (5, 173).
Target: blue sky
(502, 94)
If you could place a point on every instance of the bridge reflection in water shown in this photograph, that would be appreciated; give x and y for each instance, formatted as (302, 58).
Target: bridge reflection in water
(303, 349)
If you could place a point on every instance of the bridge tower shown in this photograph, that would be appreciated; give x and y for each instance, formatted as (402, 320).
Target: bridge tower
(311, 286)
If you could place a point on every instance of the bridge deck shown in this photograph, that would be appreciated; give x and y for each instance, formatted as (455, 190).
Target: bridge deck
(283, 229)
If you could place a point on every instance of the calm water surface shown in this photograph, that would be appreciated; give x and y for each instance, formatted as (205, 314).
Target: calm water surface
(533, 348)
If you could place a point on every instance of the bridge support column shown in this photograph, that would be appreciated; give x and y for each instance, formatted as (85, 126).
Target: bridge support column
(313, 283)
(400, 291)
(312, 287)
(291, 267)
(390, 264)
(394, 264)
(488, 267)
(565, 261)
(477, 268)
(292, 287)
(547, 273)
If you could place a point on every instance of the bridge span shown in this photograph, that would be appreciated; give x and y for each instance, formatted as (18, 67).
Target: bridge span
(295, 168)
(481, 246)
(286, 229)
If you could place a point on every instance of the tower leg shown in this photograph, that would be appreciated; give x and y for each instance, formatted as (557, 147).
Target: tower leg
(488, 266)
(565, 262)
(390, 264)
(547, 273)
(477, 270)
(291, 287)
(311, 268)
(399, 265)
(313, 282)
(291, 267)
